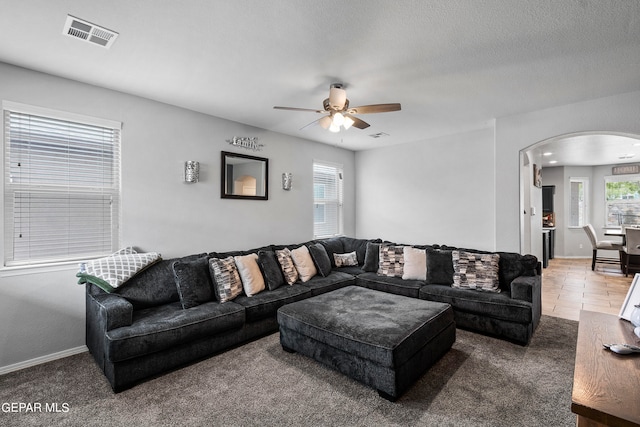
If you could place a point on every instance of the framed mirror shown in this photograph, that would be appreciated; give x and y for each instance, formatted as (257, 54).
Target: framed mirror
(244, 177)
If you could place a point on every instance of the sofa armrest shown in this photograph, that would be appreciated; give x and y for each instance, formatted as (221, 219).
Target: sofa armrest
(527, 288)
(110, 310)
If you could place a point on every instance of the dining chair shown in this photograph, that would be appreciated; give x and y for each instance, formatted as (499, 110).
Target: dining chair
(632, 247)
(607, 245)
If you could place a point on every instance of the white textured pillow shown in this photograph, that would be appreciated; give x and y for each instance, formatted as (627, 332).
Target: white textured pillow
(304, 263)
(250, 274)
(415, 264)
(345, 260)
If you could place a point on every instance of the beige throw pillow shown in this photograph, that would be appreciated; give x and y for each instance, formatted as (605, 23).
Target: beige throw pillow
(250, 274)
(415, 264)
(304, 263)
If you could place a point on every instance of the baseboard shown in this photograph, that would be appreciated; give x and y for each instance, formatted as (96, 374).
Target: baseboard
(43, 359)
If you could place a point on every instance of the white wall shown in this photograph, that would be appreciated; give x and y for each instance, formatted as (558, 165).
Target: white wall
(42, 311)
(438, 191)
(618, 113)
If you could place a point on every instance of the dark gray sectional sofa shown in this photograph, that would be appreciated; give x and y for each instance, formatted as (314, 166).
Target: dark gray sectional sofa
(142, 329)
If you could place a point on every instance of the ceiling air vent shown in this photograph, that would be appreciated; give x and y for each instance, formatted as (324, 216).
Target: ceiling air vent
(379, 135)
(89, 32)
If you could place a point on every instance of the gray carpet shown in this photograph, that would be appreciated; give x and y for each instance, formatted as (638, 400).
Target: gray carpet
(481, 382)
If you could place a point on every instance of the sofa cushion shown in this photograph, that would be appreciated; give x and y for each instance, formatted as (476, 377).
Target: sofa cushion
(333, 246)
(488, 304)
(393, 285)
(155, 285)
(270, 269)
(345, 260)
(287, 266)
(475, 271)
(250, 274)
(303, 263)
(320, 259)
(359, 246)
(265, 304)
(391, 260)
(333, 281)
(166, 326)
(193, 282)
(371, 257)
(439, 267)
(226, 280)
(415, 264)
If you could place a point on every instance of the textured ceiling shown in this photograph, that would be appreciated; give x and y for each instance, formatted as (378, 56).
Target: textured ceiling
(454, 65)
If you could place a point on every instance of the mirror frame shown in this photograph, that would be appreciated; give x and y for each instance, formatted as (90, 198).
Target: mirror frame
(223, 176)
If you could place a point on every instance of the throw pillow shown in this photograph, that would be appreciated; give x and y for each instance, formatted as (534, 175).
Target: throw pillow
(346, 260)
(286, 265)
(391, 260)
(439, 267)
(250, 274)
(476, 271)
(227, 283)
(270, 269)
(320, 259)
(193, 282)
(304, 264)
(371, 257)
(415, 264)
(111, 272)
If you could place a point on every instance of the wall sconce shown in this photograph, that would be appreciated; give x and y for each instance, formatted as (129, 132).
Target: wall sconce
(286, 181)
(191, 171)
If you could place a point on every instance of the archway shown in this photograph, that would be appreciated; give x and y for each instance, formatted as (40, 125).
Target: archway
(576, 154)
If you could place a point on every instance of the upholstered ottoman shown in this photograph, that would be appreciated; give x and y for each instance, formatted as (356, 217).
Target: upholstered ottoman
(383, 340)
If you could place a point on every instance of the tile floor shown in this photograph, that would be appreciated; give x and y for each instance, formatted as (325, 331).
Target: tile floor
(569, 285)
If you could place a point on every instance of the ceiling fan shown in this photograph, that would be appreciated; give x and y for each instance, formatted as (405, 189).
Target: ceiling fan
(339, 113)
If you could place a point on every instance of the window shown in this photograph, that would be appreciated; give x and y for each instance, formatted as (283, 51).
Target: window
(61, 186)
(327, 199)
(578, 206)
(622, 200)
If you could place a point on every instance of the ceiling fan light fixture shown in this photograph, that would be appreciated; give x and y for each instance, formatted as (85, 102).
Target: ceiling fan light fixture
(338, 119)
(325, 122)
(337, 96)
(348, 122)
(334, 128)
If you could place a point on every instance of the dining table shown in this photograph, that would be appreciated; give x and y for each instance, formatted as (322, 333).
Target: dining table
(616, 232)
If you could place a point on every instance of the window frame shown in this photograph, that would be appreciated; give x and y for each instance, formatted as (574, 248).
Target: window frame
(328, 201)
(585, 203)
(617, 178)
(58, 262)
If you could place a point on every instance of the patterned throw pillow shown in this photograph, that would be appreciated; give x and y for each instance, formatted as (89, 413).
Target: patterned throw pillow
(346, 260)
(391, 261)
(111, 272)
(476, 271)
(286, 264)
(227, 283)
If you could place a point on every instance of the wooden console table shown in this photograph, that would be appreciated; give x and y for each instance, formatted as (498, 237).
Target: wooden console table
(606, 386)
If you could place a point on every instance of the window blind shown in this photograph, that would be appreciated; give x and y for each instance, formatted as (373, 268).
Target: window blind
(61, 189)
(327, 199)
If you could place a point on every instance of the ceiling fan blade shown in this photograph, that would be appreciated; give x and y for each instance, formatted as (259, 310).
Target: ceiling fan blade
(313, 123)
(358, 123)
(300, 109)
(375, 108)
